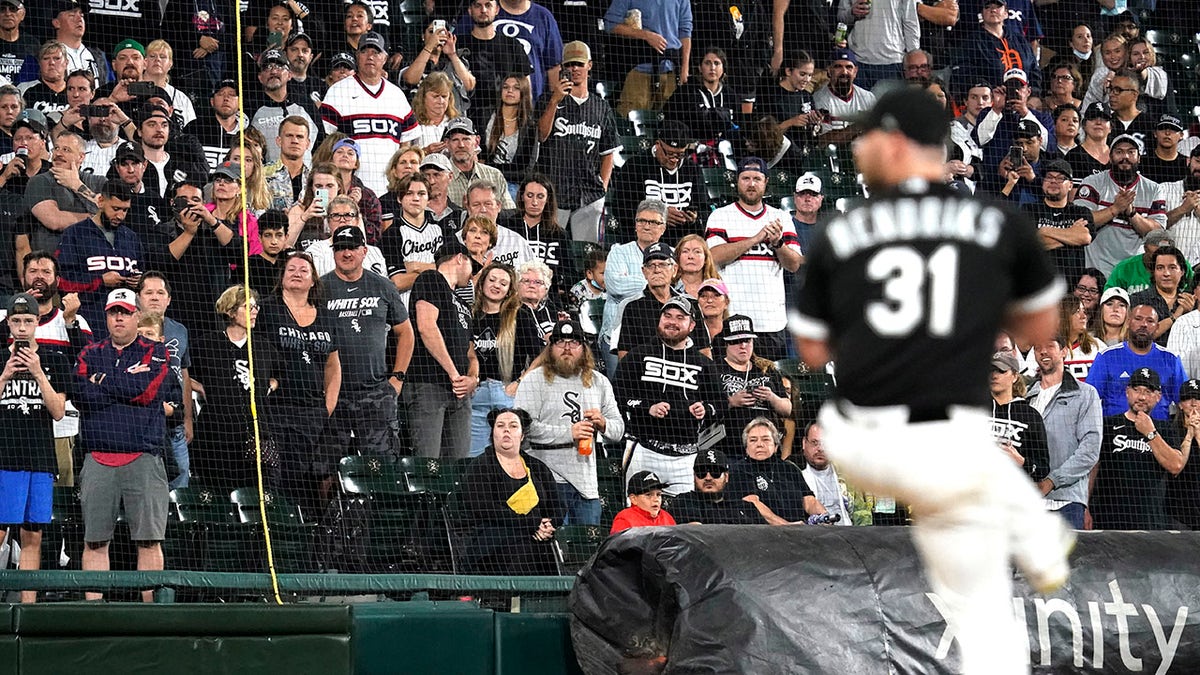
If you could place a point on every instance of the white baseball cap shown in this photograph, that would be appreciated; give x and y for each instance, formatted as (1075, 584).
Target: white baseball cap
(809, 182)
(123, 298)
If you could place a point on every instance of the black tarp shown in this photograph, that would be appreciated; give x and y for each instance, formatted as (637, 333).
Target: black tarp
(846, 600)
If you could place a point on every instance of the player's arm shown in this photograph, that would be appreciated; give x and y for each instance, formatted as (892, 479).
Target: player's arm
(1032, 327)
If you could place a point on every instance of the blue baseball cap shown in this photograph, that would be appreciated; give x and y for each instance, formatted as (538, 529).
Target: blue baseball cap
(753, 164)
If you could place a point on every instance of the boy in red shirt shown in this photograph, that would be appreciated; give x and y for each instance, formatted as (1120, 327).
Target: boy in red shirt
(645, 494)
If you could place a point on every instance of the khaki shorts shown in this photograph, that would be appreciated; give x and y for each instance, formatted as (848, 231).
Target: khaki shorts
(141, 485)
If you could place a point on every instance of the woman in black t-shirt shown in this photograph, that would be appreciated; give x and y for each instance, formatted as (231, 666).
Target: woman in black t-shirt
(224, 438)
(507, 340)
(303, 333)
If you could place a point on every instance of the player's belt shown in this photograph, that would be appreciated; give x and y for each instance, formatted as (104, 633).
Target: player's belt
(898, 413)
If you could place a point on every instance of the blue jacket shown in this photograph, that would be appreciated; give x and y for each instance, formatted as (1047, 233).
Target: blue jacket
(84, 255)
(124, 412)
(985, 58)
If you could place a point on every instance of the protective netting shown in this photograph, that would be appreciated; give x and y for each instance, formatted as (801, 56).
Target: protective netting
(284, 264)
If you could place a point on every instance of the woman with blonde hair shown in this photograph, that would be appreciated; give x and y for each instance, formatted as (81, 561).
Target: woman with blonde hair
(405, 162)
(507, 340)
(258, 196)
(306, 219)
(160, 59)
(433, 106)
(694, 264)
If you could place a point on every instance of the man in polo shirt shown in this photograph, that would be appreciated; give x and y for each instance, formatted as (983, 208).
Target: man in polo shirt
(645, 497)
(120, 386)
(32, 398)
(462, 144)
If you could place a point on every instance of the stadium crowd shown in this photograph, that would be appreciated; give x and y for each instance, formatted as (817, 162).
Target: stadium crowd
(489, 229)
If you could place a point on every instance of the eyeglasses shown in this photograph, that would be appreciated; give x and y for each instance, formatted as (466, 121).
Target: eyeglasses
(715, 472)
(1062, 78)
(568, 342)
(343, 216)
(533, 282)
(1086, 290)
(1119, 90)
(650, 221)
(659, 266)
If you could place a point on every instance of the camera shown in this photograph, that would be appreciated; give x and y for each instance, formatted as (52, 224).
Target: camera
(95, 110)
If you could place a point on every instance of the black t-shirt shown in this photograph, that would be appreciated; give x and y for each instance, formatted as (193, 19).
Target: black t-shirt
(527, 344)
(1130, 488)
(698, 507)
(1068, 260)
(44, 99)
(779, 484)
(26, 428)
(737, 417)
(549, 247)
(490, 61)
(12, 54)
(910, 289)
(264, 274)
(1161, 171)
(1083, 164)
(302, 350)
(453, 322)
(224, 369)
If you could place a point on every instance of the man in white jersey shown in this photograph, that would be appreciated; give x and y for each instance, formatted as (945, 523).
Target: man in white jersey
(1126, 206)
(372, 111)
(1182, 200)
(840, 97)
(753, 243)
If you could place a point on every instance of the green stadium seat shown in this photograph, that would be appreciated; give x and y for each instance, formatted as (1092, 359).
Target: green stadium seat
(646, 122)
(365, 475)
(780, 184)
(430, 474)
(718, 181)
(577, 544)
(293, 541)
(203, 534)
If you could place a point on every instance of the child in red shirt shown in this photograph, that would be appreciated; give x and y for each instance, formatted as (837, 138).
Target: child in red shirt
(645, 493)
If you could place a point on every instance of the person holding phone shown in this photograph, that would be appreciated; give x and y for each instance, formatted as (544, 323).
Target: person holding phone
(1021, 168)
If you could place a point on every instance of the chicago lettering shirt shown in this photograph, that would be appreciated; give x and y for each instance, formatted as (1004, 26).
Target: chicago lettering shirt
(403, 243)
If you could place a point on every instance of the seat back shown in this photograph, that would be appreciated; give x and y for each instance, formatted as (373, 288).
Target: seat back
(200, 505)
(366, 475)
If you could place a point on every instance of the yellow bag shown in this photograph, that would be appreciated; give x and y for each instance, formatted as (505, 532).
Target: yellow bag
(523, 500)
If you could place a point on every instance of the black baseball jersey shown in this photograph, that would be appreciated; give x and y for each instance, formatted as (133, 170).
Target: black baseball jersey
(582, 133)
(910, 289)
(1130, 487)
(1068, 260)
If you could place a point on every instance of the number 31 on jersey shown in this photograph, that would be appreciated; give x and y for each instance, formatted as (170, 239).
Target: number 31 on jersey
(917, 289)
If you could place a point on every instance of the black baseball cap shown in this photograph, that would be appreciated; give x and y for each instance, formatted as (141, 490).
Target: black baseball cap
(149, 110)
(223, 84)
(714, 458)
(1195, 151)
(1058, 166)
(1028, 129)
(1145, 377)
(348, 236)
(658, 251)
(737, 328)
(644, 481)
(23, 303)
(296, 37)
(450, 247)
(1190, 390)
(675, 134)
(32, 124)
(567, 329)
(132, 151)
(342, 60)
(60, 6)
(912, 112)
(272, 56)
(1168, 121)
(1098, 110)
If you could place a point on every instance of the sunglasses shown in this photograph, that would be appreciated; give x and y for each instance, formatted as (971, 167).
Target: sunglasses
(715, 472)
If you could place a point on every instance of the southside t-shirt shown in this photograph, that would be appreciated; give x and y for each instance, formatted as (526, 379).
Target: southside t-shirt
(527, 344)
(365, 311)
(303, 352)
(26, 428)
(453, 322)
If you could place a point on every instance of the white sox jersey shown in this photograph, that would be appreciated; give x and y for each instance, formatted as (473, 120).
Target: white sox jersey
(1118, 240)
(379, 120)
(755, 279)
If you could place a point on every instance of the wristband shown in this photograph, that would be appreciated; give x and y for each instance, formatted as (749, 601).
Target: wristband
(399, 375)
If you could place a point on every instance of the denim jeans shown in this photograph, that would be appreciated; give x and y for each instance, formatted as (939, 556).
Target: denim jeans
(488, 397)
(1073, 514)
(579, 509)
(179, 453)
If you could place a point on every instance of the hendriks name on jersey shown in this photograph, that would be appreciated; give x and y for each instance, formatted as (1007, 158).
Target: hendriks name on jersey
(911, 219)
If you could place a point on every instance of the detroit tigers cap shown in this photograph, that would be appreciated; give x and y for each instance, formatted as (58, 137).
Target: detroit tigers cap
(644, 481)
(1006, 362)
(23, 303)
(1168, 121)
(348, 236)
(737, 328)
(1058, 166)
(714, 458)
(342, 60)
(1190, 390)
(124, 298)
(1127, 138)
(436, 160)
(658, 251)
(567, 329)
(372, 39)
(809, 182)
(915, 113)
(679, 302)
(1115, 292)
(1145, 377)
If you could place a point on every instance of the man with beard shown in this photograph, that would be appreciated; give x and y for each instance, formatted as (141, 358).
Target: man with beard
(572, 407)
(667, 173)
(1167, 294)
(753, 243)
(822, 477)
(1129, 481)
(149, 214)
(154, 131)
(47, 94)
(100, 151)
(491, 57)
(61, 197)
(1124, 205)
(60, 329)
(300, 50)
(1182, 198)
(1110, 371)
(128, 64)
(1064, 228)
(100, 253)
(269, 106)
(667, 391)
(217, 129)
(708, 503)
(841, 97)
(1072, 414)
(462, 144)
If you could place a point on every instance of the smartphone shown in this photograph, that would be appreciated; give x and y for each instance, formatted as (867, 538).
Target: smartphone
(1016, 156)
(180, 204)
(18, 345)
(94, 110)
(275, 39)
(439, 25)
(321, 199)
(142, 89)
